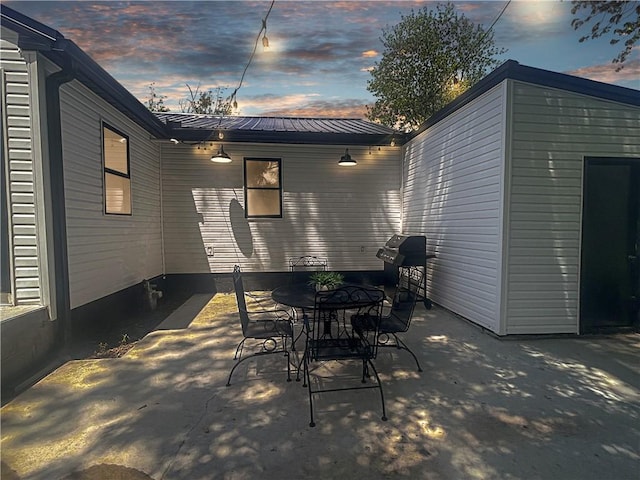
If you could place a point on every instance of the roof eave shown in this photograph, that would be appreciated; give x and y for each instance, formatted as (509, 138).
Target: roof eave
(309, 138)
(514, 71)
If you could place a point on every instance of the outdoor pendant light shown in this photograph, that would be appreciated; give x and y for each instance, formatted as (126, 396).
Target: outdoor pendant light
(221, 156)
(346, 160)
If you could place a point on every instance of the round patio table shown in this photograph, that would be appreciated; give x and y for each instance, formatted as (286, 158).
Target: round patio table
(296, 295)
(303, 296)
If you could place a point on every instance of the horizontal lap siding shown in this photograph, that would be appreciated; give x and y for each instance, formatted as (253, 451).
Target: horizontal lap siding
(107, 253)
(328, 210)
(21, 176)
(452, 194)
(553, 131)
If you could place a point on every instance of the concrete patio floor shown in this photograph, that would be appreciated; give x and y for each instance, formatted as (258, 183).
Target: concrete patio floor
(484, 408)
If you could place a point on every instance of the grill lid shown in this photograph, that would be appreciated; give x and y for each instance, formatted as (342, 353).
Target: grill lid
(404, 250)
(390, 255)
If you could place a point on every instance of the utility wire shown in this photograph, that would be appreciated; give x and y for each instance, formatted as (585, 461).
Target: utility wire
(481, 41)
(494, 22)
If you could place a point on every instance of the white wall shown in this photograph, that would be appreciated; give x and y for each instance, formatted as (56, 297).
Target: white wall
(328, 210)
(107, 253)
(553, 131)
(453, 193)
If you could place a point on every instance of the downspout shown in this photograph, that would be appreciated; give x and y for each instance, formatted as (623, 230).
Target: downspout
(162, 244)
(58, 209)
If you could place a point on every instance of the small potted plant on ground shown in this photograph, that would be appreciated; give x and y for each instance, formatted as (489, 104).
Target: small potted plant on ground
(326, 280)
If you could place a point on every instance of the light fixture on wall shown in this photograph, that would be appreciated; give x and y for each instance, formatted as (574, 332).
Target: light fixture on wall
(221, 156)
(346, 160)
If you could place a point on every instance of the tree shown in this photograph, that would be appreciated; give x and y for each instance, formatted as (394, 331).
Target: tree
(155, 102)
(206, 102)
(430, 57)
(606, 16)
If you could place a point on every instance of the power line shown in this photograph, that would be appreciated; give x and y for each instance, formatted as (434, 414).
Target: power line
(484, 35)
(494, 22)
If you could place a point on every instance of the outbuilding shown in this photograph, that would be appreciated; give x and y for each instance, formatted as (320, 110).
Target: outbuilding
(527, 188)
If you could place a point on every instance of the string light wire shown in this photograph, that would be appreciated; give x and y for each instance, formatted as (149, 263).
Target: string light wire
(263, 28)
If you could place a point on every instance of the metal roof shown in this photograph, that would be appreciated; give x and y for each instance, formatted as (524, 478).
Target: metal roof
(350, 131)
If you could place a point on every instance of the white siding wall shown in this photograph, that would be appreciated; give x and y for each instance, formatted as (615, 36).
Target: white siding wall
(453, 193)
(107, 253)
(553, 131)
(328, 210)
(21, 175)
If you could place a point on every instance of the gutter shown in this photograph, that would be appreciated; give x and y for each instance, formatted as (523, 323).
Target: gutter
(104, 85)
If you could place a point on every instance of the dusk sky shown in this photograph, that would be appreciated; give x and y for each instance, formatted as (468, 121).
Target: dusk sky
(320, 55)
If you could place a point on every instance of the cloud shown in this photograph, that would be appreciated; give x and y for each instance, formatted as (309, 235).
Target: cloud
(268, 100)
(323, 108)
(628, 76)
(301, 105)
(321, 50)
(526, 21)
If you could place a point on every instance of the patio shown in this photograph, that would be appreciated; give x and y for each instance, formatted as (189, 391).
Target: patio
(484, 408)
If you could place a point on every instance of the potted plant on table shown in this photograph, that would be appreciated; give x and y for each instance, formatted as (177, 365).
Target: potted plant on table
(326, 280)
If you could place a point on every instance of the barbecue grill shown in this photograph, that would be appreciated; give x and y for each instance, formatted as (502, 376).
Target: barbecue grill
(403, 251)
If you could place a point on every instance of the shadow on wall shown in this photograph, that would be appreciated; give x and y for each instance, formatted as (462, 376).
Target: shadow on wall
(240, 227)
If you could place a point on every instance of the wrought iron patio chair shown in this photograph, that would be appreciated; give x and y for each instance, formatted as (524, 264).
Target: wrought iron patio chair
(330, 338)
(301, 268)
(398, 318)
(306, 263)
(272, 329)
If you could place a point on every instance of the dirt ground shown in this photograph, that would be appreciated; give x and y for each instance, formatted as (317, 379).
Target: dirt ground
(118, 339)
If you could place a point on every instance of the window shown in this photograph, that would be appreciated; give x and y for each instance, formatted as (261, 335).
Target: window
(262, 188)
(117, 177)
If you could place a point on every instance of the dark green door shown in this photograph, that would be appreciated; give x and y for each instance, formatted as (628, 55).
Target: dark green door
(610, 270)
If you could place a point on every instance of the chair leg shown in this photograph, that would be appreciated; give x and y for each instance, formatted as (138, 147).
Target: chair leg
(293, 340)
(298, 370)
(260, 354)
(239, 349)
(307, 381)
(403, 346)
(236, 366)
(375, 372)
(286, 354)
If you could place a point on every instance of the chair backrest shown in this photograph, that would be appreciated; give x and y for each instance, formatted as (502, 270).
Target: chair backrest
(242, 302)
(405, 299)
(331, 329)
(302, 267)
(308, 263)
